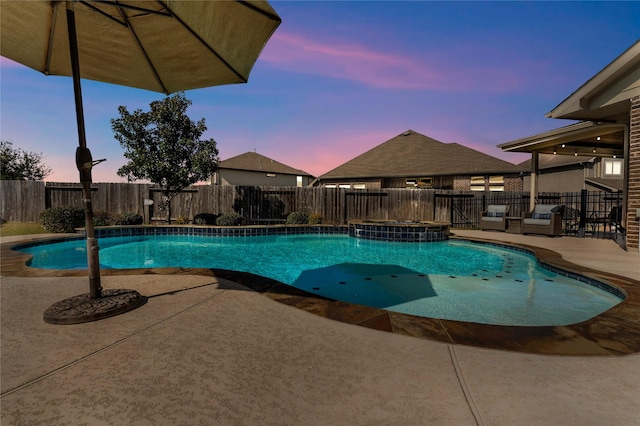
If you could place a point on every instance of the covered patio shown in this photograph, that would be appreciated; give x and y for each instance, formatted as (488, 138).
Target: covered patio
(608, 107)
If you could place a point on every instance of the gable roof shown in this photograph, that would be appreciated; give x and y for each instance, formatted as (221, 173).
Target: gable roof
(254, 162)
(414, 154)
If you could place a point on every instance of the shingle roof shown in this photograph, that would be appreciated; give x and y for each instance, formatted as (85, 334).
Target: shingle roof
(414, 154)
(606, 184)
(252, 161)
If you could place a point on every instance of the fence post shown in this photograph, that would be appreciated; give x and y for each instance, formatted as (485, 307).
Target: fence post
(583, 213)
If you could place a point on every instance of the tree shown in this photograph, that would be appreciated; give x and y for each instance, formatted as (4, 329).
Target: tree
(18, 164)
(163, 146)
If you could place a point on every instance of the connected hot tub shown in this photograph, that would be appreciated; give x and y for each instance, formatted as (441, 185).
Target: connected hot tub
(391, 230)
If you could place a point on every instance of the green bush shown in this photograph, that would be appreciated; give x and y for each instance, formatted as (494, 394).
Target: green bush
(181, 220)
(128, 218)
(102, 218)
(62, 219)
(297, 218)
(315, 219)
(230, 219)
(205, 219)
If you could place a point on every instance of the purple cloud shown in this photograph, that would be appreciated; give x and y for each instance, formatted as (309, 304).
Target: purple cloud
(453, 69)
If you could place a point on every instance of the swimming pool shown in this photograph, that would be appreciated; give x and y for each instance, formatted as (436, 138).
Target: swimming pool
(453, 280)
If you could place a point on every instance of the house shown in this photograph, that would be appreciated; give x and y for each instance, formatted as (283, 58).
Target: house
(572, 173)
(413, 160)
(608, 107)
(253, 169)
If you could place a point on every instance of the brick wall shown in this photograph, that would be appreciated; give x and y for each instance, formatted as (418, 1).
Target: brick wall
(633, 225)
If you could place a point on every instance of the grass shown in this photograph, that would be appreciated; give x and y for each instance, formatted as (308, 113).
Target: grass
(20, 228)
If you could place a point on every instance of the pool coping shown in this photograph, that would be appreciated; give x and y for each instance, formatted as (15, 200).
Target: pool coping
(614, 332)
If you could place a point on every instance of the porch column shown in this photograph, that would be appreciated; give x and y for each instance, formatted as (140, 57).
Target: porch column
(533, 194)
(632, 160)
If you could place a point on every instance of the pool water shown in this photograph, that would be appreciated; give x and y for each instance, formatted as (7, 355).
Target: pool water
(453, 280)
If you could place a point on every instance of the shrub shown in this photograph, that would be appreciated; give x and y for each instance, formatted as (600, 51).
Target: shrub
(297, 218)
(205, 219)
(128, 218)
(62, 219)
(229, 219)
(102, 218)
(315, 219)
(181, 220)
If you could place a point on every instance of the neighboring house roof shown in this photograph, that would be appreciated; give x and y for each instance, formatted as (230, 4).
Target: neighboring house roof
(549, 161)
(606, 184)
(254, 162)
(414, 154)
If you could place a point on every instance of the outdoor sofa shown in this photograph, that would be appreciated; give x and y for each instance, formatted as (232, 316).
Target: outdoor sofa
(494, 218)
(545, 219)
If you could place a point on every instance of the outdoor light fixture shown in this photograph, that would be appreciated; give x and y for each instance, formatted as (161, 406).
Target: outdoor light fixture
(564, 144)
(594, 150)
(575, 153)
(598, 138)
(554, 150)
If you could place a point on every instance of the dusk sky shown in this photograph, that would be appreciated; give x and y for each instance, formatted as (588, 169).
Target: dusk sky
(339, 78)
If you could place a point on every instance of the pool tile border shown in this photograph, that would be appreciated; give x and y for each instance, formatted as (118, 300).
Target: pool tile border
(614, 332)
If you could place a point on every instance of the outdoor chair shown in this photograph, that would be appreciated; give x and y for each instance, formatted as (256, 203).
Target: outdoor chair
(571, 218)
(613, 221)
(494, 218)
(545, 219)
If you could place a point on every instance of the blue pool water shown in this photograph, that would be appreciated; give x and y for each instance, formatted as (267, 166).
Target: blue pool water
(449, 280)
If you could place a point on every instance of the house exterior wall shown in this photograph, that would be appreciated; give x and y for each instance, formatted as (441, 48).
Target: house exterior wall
(251, 178)
(512, 182)
(559, 180)
(633, 194)
(371, 183)
(437, 182)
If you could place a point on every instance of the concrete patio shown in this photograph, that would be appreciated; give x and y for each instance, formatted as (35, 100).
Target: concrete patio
(207, 350)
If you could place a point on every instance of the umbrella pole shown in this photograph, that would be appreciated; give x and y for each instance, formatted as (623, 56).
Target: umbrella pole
(84, 162)
(97, 304)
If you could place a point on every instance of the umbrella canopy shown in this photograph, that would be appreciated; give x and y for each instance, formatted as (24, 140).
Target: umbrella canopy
(160, 45)
(164, 46)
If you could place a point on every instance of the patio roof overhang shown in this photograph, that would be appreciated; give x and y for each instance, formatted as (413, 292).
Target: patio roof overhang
(588, 138)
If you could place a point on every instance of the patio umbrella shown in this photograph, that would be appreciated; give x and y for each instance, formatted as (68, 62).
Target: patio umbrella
(160, 45)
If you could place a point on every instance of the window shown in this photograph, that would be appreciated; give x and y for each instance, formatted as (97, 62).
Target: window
(359, 186)
(299, 181)
(271, 175)
(477, 183)
(425, 183)
(612, 167)
(344, 186)
(496, 183)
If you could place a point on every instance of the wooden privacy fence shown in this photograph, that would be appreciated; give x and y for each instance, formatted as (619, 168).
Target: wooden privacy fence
(587, 212)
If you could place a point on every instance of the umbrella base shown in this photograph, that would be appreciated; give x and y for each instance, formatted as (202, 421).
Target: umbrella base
(83, 308)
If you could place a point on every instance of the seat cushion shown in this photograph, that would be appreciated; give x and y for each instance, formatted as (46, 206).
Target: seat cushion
(491, 219)
(531, 221)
